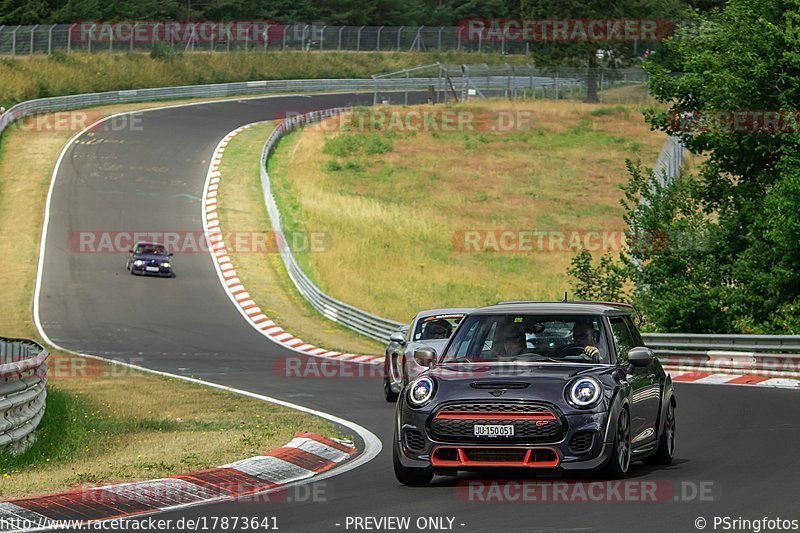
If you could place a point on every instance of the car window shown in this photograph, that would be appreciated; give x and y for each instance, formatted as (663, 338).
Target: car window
(436, 326)
(623, 339)
(466, 338)
(530, 338)
(150, 249)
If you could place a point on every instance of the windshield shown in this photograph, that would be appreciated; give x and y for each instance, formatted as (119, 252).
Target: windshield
(529, 338)
(150, 249)
(436, 326)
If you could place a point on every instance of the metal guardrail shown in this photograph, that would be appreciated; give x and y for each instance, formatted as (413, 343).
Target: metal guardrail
(356, 319)
(23, 376)
(496, 83)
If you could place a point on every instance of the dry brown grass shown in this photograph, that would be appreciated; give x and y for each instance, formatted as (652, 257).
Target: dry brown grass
(392, 217)
(241, 208)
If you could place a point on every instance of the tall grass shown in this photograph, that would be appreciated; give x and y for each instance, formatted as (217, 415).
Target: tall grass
(396, 204)
(63, 74)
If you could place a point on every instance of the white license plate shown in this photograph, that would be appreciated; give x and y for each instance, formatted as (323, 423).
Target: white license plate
(493, 430)
(152, 269)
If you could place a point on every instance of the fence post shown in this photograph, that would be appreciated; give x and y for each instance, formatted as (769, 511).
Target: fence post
(111, 40)
(322, 39)
(69, 37)
(266, 37)
(358, 39)
(91, 31)
(133, 33)
(340, 36)
(50, 39)
(399, 34)
(441, 29)
(458, 32)
(33, 32)
(419, 37)
(303, 38)
(378, 44)
(285, 29)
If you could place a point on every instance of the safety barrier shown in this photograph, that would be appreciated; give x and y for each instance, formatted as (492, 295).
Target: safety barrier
(23, 376)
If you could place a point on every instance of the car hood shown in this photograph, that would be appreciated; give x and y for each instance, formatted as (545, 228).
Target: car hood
(526, 381)
(437, 344)
(151, 257)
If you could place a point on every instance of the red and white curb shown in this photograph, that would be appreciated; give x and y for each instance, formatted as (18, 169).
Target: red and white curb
(708, 378)
(233, 285)
(306, 456)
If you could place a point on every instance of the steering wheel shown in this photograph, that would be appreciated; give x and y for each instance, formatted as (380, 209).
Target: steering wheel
(577, 351)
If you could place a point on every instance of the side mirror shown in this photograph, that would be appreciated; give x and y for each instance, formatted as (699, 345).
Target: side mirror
(397, 337)
(425, 356)
(641, 356)
(130, 251)
(171, 254)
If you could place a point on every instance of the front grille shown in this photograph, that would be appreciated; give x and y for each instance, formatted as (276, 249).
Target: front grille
(497, 407)
(581, 441)
(502, 455)
(533, 423)
(414, 439)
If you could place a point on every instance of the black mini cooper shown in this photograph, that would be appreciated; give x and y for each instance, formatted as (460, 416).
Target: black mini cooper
(567, 385)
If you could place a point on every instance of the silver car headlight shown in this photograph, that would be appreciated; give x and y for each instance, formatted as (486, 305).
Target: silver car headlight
(584, 392)
(421, 391)
(138, 263)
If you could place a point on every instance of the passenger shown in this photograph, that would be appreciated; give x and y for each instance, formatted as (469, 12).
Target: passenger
(510, 342)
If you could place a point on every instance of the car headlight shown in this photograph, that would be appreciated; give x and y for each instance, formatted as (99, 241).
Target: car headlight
(584, 392)
(138, 263)
(166, 265)
(421, 391)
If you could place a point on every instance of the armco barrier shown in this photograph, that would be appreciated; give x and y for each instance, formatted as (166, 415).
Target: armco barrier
(502, 84)
(23, 376)
(360, 321)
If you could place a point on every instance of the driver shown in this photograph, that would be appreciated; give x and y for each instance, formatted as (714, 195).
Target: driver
(583, 336)
(510, 342)
(438, 329)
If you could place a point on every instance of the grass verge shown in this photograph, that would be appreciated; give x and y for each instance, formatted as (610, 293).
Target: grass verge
(242, 209)
(396, 203)
(91, 433)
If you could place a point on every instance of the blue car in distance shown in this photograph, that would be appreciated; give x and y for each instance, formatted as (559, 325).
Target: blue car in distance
(150, 259)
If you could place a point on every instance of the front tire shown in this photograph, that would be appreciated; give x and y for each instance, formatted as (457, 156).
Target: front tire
(666, 444)
(620, 460)
(411, 477)
(388, 393)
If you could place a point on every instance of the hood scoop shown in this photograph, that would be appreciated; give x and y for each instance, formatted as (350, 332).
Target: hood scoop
(499, 385)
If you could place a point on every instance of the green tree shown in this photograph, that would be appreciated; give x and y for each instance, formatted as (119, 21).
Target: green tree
(738, 258)
(586, 53)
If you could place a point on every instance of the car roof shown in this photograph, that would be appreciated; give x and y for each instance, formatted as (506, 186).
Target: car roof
(444, 311)
(147, 243)
(556, 308)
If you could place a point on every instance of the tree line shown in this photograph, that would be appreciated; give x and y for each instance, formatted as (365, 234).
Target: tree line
(332, 12)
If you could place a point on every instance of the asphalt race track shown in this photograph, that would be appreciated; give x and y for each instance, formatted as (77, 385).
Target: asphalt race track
(739, 443)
